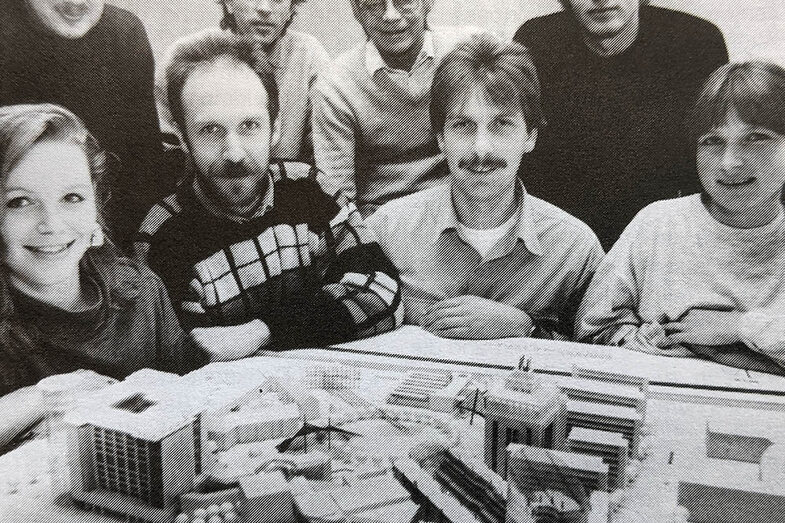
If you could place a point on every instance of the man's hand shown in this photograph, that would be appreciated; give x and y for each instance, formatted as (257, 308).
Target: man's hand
(231, 343)
(704, 327)
(472, 317)
(651, 339)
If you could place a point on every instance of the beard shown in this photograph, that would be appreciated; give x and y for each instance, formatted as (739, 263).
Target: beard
(235, 186)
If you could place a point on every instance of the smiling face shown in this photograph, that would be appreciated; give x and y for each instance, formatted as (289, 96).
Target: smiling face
(605, 18)
(396, 27)
(67, 18)
(742, 169)
(227, 126)
(265, 20)
(484, 143)
(49, 216)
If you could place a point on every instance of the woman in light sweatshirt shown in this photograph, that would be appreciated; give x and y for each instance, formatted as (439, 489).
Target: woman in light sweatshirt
(705, 274)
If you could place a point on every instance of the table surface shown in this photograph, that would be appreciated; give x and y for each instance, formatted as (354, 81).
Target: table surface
(686, 393)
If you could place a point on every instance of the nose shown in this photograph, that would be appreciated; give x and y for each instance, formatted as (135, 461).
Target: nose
(51, 220)
(731, 158)
(391, 13)
(482, 142)
(234, 151)
(263, 6)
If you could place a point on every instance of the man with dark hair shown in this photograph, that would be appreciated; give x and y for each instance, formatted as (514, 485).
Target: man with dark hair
(617, 78)
(480, 257)
(94, 59)
(296, 60)
(372, 138)
(250, 255)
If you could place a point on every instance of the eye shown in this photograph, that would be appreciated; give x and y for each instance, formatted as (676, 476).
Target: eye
(250, 126)
(710, 140)
(757, 137)
(505, 123)
(210, 130)
(73, 198)
(18, 202)
(459, 124)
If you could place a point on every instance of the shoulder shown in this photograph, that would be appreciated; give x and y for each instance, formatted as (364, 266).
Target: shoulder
(121, 20)
(410, 212)
(680, 28)
(345, 68)
(447, 37)
(306, 43)
(558, 226)
(660, 220)
(165, 211)
(548, 27)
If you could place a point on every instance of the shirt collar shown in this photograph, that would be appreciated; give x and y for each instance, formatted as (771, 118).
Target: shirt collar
(525, 230)
(266, 204)
(374, 61)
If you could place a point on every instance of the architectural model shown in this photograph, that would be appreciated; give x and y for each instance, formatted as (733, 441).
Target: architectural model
(229, 443)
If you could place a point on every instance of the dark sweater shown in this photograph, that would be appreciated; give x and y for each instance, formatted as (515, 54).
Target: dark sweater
(307, 267)
(615, 140)
(128, 327)
(105, 78)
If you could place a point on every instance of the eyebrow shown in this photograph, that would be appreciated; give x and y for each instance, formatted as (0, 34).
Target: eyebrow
(78, 186)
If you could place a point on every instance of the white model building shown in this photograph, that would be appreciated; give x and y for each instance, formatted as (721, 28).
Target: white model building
(741, 476)
(522, 411)
(610, 446)
(609, 418)
(439, 391)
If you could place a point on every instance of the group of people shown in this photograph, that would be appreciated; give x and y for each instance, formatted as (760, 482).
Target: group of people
(429, 175)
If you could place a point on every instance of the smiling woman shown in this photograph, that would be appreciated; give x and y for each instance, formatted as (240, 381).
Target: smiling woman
(702, 274)
(67, 300)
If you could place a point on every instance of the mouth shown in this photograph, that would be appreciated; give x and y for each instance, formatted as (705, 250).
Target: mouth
(263, 26)
(393, 32)
(603, 12)
(735, 184)
(71, 12)
(51, 250)
(482, 169)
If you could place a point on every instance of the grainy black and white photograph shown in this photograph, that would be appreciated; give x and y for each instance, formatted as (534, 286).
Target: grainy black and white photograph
(392, 261)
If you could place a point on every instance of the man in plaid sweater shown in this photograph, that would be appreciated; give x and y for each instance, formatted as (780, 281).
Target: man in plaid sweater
(257, 255)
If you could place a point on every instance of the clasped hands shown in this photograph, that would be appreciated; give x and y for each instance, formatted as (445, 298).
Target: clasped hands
(232, 342)
(696, 327)
(472, 317)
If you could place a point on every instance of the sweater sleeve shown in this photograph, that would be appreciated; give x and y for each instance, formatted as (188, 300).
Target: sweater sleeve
(334, 139)
(608, 313)
(360, 294)
(586, 264)
(175, 351)
(764, 331)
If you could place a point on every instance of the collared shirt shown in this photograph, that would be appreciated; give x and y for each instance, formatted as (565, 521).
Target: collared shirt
(424, 61)
(541, 266)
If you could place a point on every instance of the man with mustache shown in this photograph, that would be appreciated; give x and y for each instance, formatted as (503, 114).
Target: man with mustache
(256, 255)
(617, 77)
(372, 138)
(480, 257)
(296, 59)
(94, 59)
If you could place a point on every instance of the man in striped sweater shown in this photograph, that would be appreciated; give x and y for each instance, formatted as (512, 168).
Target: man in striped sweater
(257, 255)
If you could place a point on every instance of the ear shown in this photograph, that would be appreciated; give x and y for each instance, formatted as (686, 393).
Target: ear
(275, 132)
(528, 145)
(440, 141)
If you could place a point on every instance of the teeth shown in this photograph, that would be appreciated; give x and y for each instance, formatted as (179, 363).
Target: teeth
(50, 249)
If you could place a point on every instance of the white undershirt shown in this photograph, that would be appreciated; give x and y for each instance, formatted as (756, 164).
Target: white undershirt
(483, 240)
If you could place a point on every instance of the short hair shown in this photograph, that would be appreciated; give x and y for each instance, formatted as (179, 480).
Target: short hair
(505, 70)
(228, 21)
(23, 126)
(566, 3)
(756, 90)
(206, 49)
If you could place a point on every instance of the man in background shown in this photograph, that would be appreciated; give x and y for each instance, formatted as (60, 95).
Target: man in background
(479, 256)
(373, 140)
(95, 60)
(617, 79)
(296, 59)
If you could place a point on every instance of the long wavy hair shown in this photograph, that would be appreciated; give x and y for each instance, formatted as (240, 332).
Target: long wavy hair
(21, 127)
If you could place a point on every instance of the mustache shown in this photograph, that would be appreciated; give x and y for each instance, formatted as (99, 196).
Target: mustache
(229, 169)
(476, 162)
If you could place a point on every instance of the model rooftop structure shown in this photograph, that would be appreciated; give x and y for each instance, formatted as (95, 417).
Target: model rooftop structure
(609, 418)
(609, 393)
(610, 446)
(522, 411)
(439, 391)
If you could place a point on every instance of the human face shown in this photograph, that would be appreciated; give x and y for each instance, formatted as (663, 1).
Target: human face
(228, 130)
(396, 27)
(67, 18)
(484, 144)
(605, 18)
(265, 20)
(742, 169)
(49, 216)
